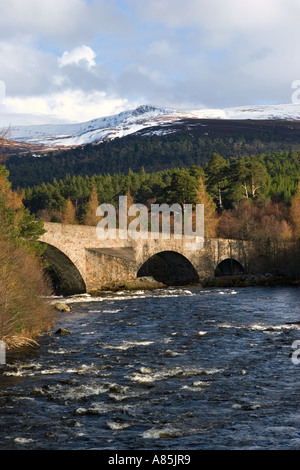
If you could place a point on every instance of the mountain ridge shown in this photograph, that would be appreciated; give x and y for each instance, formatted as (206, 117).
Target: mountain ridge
(143, 117)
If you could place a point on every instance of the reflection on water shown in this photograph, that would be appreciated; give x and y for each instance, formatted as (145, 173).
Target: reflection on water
(177, 368)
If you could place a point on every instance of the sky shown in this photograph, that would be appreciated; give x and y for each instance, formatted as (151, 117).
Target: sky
(76, 60)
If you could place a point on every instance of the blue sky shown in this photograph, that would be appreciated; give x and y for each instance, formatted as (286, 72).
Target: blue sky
(74, 60)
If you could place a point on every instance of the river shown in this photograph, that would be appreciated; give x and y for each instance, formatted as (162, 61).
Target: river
(176, 368)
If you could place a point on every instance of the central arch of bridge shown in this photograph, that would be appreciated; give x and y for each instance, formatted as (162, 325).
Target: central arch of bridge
(229, 267)
(66, 278)
(169, 267)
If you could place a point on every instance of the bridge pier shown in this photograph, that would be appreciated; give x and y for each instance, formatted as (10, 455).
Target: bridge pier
(108, 265)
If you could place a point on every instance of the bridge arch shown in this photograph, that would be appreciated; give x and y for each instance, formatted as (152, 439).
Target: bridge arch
(65, 276)
(169, 267)
(229, 267)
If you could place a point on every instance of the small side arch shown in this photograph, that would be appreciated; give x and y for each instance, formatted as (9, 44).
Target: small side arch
(65, 276)
(229, 267)
(169, 267)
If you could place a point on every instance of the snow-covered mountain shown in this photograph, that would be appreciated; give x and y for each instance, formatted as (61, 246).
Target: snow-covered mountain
(130, 122)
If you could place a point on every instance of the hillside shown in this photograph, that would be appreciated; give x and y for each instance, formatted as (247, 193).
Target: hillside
(178, 144)
(141, 118)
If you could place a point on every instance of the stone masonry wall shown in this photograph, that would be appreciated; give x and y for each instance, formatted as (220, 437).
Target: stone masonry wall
(81, 244)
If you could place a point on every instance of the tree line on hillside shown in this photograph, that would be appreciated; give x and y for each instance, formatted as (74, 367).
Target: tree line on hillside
(228, 181)
(153, 153)
(254, 199)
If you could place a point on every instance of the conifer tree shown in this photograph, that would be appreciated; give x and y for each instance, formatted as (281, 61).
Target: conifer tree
(216, 180)
(295, 212)
(90, 217)
(17, 224)
(210, 215)
(130, 202)
(69, 216)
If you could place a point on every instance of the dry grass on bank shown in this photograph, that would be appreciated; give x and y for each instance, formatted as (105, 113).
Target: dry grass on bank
(24, 310)
(14, 342)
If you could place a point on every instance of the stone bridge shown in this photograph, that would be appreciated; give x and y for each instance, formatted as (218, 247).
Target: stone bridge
(80, 262)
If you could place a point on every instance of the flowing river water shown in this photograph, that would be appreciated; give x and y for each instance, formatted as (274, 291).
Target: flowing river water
(176, 368)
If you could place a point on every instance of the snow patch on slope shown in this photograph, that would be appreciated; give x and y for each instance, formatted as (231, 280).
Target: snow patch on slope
(129, 122)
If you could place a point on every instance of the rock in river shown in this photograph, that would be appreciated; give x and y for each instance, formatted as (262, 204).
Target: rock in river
(62, 307)
(62, 331)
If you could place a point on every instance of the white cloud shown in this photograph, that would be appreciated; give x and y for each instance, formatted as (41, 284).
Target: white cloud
(225, 15)
(2, 92)
(62, 22)
(69, 105)
(79, 55)
(80, 59)
(45, 17)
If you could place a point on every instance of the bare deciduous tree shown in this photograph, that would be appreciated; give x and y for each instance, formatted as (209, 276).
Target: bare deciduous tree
(5, 142)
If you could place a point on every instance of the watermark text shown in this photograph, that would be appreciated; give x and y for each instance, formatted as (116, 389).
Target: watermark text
(296, 353)
(2, 352)
(2, 92)
(134, 222)
(296, 93)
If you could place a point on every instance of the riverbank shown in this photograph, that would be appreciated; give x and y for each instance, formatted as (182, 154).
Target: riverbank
(250, 280)
(246, 280)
